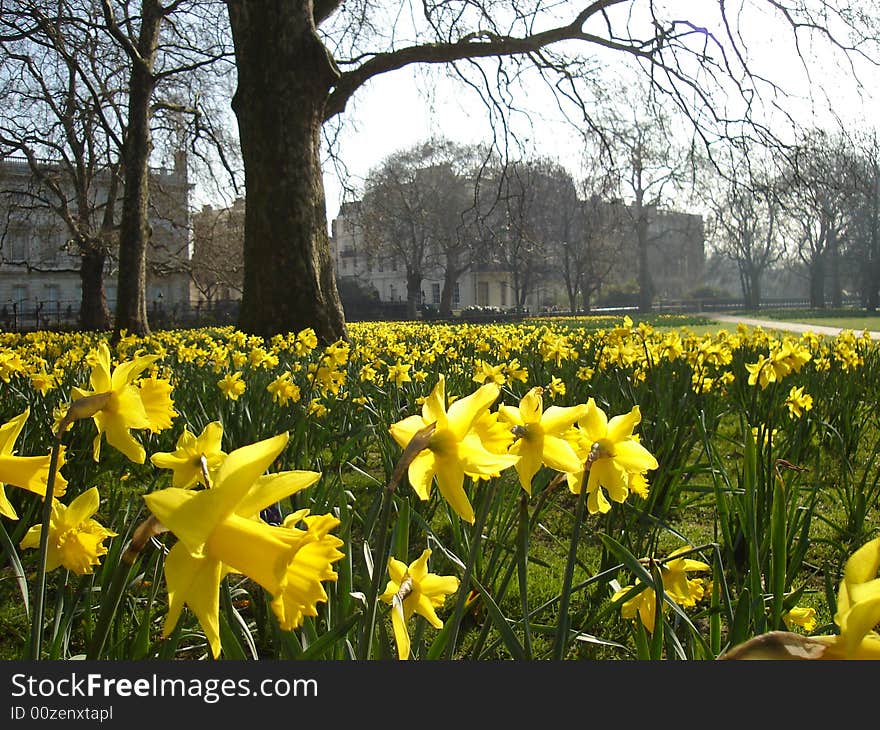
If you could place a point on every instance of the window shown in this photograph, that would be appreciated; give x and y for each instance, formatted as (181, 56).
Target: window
(435, 293)
(52, 297)
(19, 296)
(18, 246)
(483, 293)
(48, 247)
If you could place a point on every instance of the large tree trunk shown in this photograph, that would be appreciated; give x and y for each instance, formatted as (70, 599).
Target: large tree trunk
(93, 312)
(873, 264)
(446, 294)
(817, 282)
(134, 227)
(413, 293)
(646, 284)
(284, 75)
(834, 262)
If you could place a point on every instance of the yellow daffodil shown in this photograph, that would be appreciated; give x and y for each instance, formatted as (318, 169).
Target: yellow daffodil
(804, 617)
(414, 590)
(283, 389)
(857, 616)
(302, 588)
(219, 531)
(798, 402)
(76, 541)
(486, 373)
(231, 385)
(614, 455)
(455, 449)
(858, 599)
(186, 460)
(122, 405)
(683, 590)
(676, 585)
(26, 472)
(539, 436)
(398, 373)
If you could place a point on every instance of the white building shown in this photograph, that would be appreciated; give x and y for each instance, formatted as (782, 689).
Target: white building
(482, 285)
(40, 265)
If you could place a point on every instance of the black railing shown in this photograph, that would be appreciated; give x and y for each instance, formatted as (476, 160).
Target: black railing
(53, 315)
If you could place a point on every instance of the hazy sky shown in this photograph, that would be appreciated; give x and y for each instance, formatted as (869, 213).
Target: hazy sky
(405, 107)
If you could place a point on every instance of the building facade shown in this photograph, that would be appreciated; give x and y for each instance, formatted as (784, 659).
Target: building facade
(676, 258)
(39, 262)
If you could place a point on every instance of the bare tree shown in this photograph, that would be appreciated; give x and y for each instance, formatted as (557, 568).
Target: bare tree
(217, 265)
(818, 202)
(864, 230)
(540, 222)
(62, 102)
(649, 165)
(588, 260)
(745, 209)
(137, 28)
(300, 62)
(419, 209)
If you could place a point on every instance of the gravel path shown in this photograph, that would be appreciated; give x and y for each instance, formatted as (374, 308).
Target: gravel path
(780, 325)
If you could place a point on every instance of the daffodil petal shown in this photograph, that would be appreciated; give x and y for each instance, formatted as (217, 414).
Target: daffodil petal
(194, 582)
(272, 488)
(634, 457)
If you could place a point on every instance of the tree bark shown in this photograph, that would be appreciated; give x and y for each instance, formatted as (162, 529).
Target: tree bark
(93, 312)
(134, 227)
(284, 77)
(834, 261)
(413, 292)
(817, 282)
(646, 284)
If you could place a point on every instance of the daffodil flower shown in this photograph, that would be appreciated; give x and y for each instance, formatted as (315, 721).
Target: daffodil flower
(676, 585)
(120, 405)
(454, 449)
(858, 599)
(614, 456)
(26, 472)
(186, 460)
(858, 614)
(76, 541)
(802, 616)
(412, 590)
(219, 532)
(539, 436)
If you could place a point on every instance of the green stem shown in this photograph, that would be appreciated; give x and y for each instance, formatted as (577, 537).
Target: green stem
(464, 587)
(40, 595)
(109, 607)
(522, 545)
(561, 643)
(378, 572)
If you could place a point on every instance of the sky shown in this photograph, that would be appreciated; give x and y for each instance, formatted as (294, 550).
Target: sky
(405, 107)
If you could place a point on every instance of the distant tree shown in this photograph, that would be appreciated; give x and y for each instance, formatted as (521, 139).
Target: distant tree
(864, 230)
(217, 264)
(539, 221)
(61, 101)
(594, 252)
(818, 201)
(301, 62)
(745, 209)
(420, 209)
(137, 28)
(649, 166)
